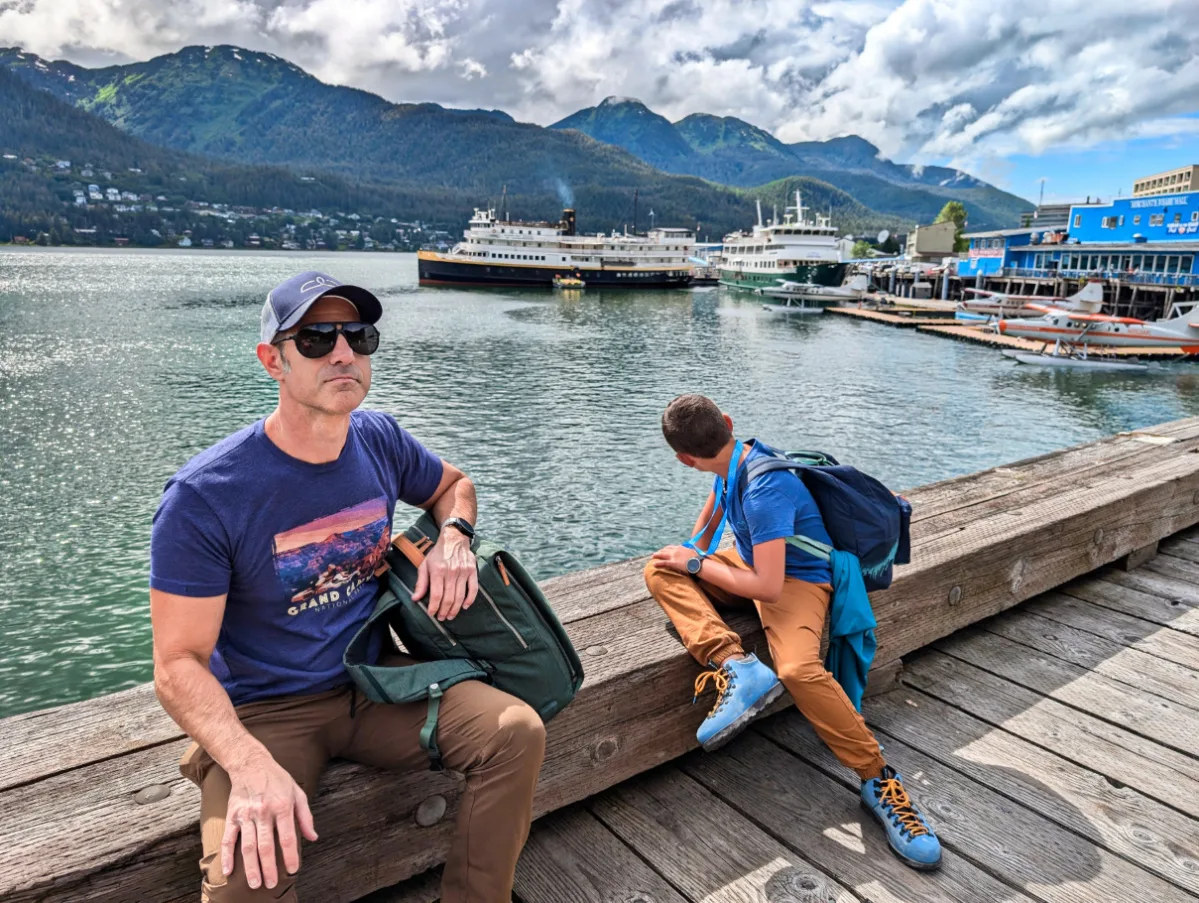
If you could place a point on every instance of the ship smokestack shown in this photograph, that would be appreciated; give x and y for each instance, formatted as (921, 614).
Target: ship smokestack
(568, 221)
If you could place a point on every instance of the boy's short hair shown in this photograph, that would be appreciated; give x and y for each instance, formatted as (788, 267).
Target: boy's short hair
(694, 425)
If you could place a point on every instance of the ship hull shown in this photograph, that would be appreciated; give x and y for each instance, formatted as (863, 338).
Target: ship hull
(440, 270)
(829, 274)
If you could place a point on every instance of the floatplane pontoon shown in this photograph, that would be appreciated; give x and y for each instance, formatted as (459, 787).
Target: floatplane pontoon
(808, 298)
(1073, 334)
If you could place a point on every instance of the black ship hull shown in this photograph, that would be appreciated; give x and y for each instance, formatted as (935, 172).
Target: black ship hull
(440, 271)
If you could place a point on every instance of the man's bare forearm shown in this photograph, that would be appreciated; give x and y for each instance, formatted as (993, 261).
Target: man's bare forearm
(458, 500)
(200, 706)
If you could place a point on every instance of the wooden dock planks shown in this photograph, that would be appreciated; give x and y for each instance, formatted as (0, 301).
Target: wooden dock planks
(982, 543)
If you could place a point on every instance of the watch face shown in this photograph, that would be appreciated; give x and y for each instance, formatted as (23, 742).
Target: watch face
(694, 564)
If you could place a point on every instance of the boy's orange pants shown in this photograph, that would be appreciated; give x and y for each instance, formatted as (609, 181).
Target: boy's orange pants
(793, 625)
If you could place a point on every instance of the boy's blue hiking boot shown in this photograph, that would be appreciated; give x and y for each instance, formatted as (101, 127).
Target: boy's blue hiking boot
(909, 835)
(744, 688)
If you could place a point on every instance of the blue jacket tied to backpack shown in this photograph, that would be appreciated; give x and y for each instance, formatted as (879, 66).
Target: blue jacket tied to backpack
(851, 641)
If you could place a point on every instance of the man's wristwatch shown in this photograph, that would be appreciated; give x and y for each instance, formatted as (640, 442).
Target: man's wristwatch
(461, 525)
(694, 564)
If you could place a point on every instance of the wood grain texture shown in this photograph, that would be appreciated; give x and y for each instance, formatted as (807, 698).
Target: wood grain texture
(1125, 757)
(1119, 819)
(572, 856)
(707, 850)
(1171, 613)
(1017, 844)
(822, 819)
(1098, 655)
(1135, 633)
(1150, 716)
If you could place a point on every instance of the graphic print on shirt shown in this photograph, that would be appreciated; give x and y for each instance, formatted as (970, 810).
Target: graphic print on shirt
(323, 563)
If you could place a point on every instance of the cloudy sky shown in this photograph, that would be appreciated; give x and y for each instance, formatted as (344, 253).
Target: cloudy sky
(1087, 94)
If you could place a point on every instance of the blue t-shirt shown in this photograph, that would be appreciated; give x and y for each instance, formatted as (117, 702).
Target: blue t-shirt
(294, 545)
(776, 505)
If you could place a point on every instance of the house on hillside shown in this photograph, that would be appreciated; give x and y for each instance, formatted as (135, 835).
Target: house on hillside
(112, 194)
(63, 165)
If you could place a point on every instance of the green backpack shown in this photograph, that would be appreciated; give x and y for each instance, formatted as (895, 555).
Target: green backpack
(509, 637)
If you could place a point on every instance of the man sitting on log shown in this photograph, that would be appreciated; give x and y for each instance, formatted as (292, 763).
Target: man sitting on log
(263, 560)
(790, 589)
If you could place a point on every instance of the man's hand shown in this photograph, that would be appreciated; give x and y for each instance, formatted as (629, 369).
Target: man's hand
(674, 558)
(450, 574)
(265, 800)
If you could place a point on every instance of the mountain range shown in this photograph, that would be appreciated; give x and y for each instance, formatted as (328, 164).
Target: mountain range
(247, 108)
(733, 152)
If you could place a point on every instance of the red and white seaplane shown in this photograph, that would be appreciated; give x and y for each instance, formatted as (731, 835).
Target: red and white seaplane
(1074, 333)
(1088, 299)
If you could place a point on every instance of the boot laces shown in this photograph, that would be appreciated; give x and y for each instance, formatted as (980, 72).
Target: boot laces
(899, 804)
(723, 678)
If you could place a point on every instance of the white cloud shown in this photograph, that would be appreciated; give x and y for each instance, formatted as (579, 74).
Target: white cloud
(963, 81)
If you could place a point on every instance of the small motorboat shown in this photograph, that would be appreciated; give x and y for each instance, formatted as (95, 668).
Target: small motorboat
(568, 282)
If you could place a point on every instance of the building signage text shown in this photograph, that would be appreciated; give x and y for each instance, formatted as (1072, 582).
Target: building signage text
(1180, 200)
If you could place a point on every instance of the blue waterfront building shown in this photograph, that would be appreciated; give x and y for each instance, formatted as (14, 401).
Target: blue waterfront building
(1148, 240)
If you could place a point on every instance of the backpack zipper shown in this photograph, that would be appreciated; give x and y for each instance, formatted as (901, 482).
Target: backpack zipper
(499, 614)
(445, 633)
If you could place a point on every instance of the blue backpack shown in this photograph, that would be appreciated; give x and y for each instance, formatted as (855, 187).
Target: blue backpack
(861, 515)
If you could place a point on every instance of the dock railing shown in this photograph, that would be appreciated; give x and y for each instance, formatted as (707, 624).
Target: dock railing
(95, 808)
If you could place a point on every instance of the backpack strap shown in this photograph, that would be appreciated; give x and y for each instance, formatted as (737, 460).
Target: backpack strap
(769, 464)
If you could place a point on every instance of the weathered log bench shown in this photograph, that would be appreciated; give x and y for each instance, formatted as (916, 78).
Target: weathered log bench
(95, 809)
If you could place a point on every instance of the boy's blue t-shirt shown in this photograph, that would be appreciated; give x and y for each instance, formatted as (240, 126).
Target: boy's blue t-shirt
(294, 545)
(776, 505)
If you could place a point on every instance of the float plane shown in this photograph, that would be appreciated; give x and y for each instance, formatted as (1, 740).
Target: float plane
(1073, 333)
(796, 295)
(1088, 299)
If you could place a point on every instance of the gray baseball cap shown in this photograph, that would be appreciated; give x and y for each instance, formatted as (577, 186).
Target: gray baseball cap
(289, 301)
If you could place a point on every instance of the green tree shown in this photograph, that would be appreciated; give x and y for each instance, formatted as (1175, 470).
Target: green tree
(861, 248)
(955, 212)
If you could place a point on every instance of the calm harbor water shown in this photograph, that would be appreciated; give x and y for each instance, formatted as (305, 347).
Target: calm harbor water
(116, 367)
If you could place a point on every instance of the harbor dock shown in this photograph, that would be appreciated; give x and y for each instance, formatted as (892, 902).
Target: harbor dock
(1036, 682)
(929, 320)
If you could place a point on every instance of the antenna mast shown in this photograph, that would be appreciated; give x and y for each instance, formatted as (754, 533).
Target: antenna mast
(635, 211)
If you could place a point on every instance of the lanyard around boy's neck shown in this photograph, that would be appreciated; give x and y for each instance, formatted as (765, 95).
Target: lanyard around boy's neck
(723, 492)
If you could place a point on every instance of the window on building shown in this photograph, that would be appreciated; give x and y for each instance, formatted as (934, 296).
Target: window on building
(1172, 264)
(1136, 220)
(1121, 222)
(1077, 220)
(1184, 263)
(1136, 261)
(1157, 219)
(1159, 263)
(1178, 217)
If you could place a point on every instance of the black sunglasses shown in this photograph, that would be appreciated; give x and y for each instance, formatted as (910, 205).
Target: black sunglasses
(318, 339)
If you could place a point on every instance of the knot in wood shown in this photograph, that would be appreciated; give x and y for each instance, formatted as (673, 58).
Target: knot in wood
(955, 595)
(431, 811)
(1195, 499)
(637, 896)
(152, 794)
(1098, 537)
(597, 650)
(605, 749)
(792, 885)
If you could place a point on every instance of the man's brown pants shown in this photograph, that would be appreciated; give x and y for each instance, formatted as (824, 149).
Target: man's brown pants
(495, 739)
(793, 625)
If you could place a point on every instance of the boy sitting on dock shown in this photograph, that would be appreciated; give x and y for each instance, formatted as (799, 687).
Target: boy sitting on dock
(790, 589)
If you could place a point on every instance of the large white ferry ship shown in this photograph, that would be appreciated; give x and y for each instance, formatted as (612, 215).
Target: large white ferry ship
(798, 250)
(510, 252)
